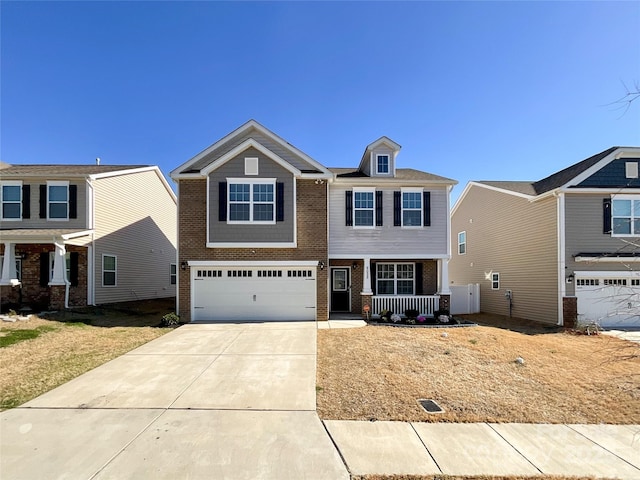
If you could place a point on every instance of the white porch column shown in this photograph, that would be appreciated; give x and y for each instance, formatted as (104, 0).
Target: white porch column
(443, 277)
(59, 265)
(9, 274)
(366, 277)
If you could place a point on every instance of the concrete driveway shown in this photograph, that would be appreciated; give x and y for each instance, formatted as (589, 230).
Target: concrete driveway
(204, 401)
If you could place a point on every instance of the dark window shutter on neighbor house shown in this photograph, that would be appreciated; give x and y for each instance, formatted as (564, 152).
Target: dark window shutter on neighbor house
(43, 201)
(222, 201)
(26, 201)
(378, 208)
(73, 271)
(426, 209)
(279, 202)
(374, 277)
(44, 269)
(606, 216)
(73, 201)
(418, 279)
(397, 209)
(348, 208)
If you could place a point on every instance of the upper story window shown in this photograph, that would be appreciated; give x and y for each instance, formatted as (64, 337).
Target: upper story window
(412, 208)
(58, 200)
(251, 202)
(11, 195)
(395, 279)
(382, 163)
(363, 207)
(625, 216)
(462, 243)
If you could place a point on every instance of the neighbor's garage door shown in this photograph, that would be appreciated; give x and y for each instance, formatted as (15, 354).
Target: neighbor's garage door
(613, 300)
(274, 293)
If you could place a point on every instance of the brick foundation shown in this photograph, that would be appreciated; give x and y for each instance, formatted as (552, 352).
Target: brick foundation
(569, 312)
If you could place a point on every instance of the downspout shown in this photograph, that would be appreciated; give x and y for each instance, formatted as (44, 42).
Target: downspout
(91, 254)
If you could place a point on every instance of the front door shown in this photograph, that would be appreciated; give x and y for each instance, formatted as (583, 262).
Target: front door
(340, 290)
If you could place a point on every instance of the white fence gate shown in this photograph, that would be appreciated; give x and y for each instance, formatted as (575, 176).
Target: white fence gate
(465, 299)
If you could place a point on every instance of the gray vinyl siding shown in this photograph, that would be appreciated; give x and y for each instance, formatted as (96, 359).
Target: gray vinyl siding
(267, 142)
(373, 161)
(422, 242)
(516, 238)
(222, 232)
(584, 234)
(36, 222)
(136, 221)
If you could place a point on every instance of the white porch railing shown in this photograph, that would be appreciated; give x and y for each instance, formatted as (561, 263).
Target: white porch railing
(424, 304)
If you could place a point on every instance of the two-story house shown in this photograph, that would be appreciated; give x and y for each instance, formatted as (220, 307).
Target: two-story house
(558, 250)
(75, 235)
(268, 233)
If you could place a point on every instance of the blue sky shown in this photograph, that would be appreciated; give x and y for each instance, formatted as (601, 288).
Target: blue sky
(471, 90)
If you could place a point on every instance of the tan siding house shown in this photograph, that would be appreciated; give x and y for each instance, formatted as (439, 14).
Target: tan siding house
(564, 249)
(73, 235)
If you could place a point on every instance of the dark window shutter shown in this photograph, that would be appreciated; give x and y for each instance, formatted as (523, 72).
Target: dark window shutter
(348, 208)
(43, 202)
(26, 201)
(279, 202)
(73, 271)
(44, 269)
(73, 201)
(374, 277)
(397, 209)
(426, 209)
(418, 279)
(606, 216)
(222, 201)
(378, 208)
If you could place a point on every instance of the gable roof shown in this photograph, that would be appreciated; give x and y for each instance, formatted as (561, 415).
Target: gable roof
(200, 164)
(58, 170)
(382, 140)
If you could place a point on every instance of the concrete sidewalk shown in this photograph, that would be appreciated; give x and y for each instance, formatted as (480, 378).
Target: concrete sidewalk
(237, 401)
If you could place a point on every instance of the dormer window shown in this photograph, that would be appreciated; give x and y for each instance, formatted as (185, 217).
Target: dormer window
(382, 162)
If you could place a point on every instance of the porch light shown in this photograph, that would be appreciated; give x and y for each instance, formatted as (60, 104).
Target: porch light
(321, 265)
(355, 265)
(184, 265)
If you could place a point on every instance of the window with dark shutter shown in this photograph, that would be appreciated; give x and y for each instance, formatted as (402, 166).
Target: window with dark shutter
(397, 209)
(73, 201)
(74, 269)
(43, 202)
(606, 216)
(279, 202)
(426, 208)
(44, 266)
(378, 208)
(222, 201)
(348, 208)
(419, 282)
(26, 201)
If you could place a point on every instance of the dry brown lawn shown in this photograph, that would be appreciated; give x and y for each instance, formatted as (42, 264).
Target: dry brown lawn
(379, 372)
(69, 348)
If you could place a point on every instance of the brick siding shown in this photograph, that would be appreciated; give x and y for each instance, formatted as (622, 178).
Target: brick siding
(569, 312)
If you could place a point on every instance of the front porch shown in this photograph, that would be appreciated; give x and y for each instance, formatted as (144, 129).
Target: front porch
(424, 304)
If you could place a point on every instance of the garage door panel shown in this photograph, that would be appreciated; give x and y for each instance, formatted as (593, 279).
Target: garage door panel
(613, 300)
(254, 294)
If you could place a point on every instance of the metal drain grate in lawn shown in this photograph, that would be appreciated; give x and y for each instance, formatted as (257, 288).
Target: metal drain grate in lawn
(430, 406)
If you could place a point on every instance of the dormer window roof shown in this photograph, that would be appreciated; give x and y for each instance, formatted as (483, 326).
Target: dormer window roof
(379, 157)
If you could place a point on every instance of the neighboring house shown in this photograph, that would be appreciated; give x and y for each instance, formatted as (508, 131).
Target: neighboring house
(74, 235)
(558, 250)
(268, 233)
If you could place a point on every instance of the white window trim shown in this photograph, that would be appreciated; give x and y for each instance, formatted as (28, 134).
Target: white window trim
(634, 215)
(402, 209)
(373, 210)
(378, 172)
(115, 270)
(10, 183)
(251, 166)
(495, 279)
(251, 183)
(57, 183)
(462, 243)
(395, 279)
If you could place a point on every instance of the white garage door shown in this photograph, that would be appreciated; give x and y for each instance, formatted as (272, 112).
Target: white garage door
(273, 293)
(611, 299)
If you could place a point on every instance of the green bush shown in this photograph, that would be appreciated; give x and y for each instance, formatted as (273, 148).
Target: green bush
(170, 320)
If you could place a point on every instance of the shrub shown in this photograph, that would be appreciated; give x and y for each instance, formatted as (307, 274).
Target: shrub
(411, 313)
(170, 320)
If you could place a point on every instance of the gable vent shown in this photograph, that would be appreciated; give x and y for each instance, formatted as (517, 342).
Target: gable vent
(631, 169)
